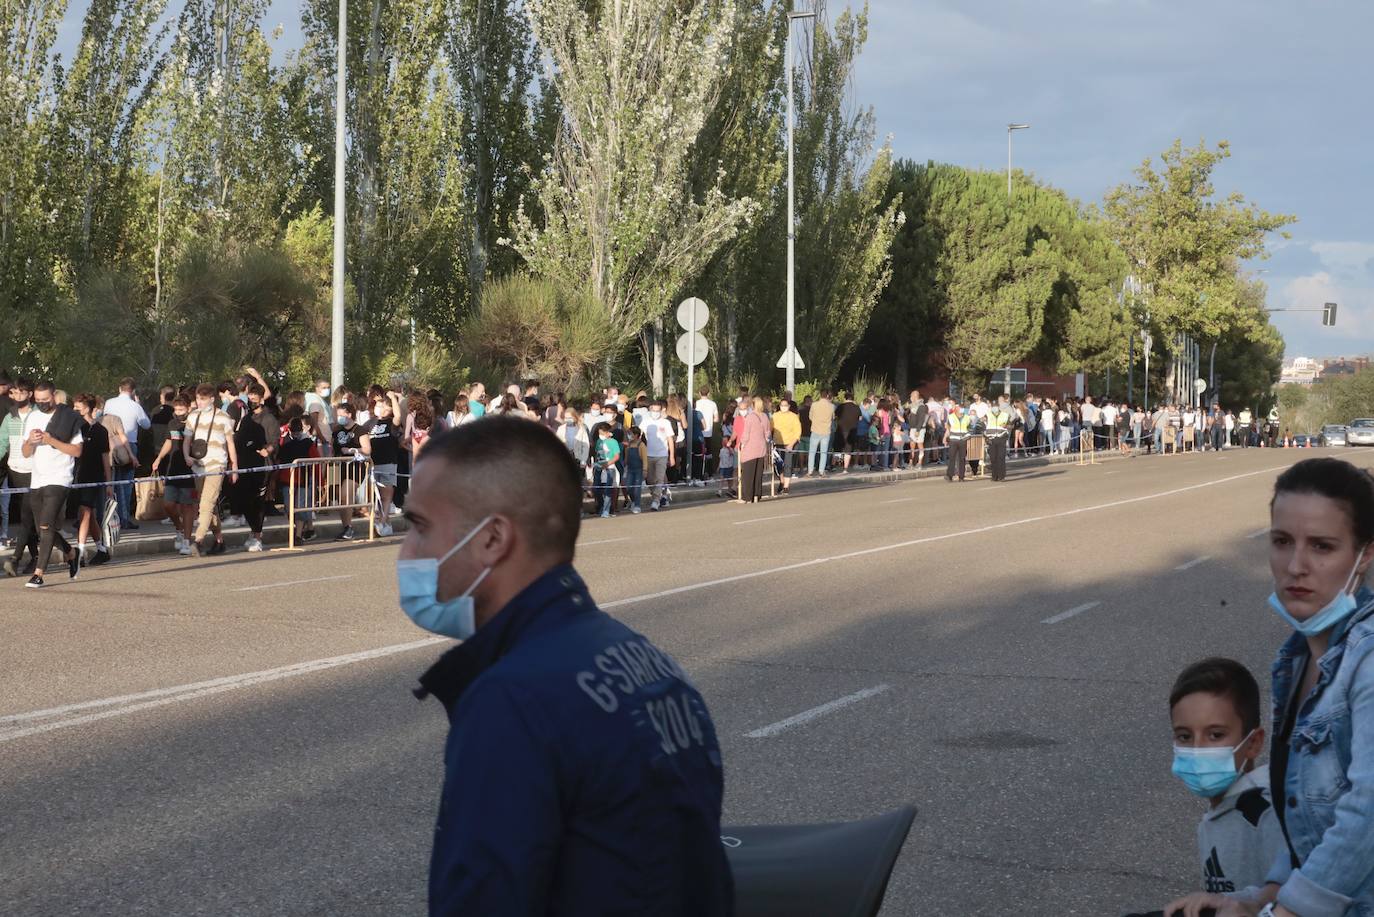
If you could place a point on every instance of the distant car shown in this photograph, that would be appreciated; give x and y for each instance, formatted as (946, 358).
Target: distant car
(1333, 434)
(1360, 432)
(1303, 440)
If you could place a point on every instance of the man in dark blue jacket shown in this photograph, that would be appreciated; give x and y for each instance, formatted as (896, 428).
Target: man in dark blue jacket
(582, 772)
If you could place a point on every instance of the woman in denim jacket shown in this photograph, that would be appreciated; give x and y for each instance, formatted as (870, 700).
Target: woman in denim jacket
(1322, 758)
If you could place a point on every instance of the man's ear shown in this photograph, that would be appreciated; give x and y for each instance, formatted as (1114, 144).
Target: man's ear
(1254, 747)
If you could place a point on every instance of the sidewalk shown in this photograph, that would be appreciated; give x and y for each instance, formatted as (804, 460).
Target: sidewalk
(157, 538)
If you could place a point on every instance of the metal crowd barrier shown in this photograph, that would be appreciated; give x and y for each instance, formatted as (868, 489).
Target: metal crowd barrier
(324, 485)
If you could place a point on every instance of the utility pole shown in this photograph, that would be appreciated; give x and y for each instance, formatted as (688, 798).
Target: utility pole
(1010, 128)
(790, 355)
(336, 354)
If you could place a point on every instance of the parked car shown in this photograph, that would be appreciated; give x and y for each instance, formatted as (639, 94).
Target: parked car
(1360, 432)
(1333, 434)
(1305, 440)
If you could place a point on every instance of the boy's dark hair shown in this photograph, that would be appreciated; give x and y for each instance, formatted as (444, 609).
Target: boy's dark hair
(1337, 480)
(1224, 678)
(182, 399)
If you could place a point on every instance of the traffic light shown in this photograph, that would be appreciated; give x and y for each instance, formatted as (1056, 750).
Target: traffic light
(1329, 315)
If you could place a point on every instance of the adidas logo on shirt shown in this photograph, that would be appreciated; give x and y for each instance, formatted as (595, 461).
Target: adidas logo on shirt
(1214, 877)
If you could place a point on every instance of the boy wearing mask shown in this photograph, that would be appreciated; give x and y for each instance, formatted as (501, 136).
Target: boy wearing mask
(1218, 739)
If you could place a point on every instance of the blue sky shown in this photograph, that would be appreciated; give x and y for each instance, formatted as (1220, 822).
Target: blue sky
(1106, 83)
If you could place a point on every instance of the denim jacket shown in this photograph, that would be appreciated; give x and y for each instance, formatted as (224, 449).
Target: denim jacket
(1329, 784)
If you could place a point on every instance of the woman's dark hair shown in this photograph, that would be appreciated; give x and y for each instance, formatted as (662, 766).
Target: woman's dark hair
(1336, 480)
(1223, 678)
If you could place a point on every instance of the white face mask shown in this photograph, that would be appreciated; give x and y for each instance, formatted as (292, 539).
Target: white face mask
(655, 414)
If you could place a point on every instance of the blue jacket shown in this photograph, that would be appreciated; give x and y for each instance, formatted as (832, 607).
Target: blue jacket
(1329, 783)
(582, 772)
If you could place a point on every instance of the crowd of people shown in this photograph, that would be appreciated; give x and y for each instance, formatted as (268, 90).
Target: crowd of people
(215, 455)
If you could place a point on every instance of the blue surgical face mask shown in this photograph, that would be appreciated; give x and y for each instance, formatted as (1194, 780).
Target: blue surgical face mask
(1340, 607)
(1207, 772)
(418, 582)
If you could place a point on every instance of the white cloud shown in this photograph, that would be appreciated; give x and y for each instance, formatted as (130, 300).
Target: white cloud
(1346, 259)
(1303, 333)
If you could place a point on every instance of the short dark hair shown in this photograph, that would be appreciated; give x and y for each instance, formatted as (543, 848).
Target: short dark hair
(23, 382)
(256, 389)
(205, 390)
(227, 386)
(166, 393)
(126, 384)
(1223, 678)
(1336, 480)
(518, 468)
(89, 400)
(44, 385)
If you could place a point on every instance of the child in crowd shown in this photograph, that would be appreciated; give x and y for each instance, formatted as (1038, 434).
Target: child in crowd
(636, 460)
(727, 471)
(298, 442)
(1215, 709)
(607, 455)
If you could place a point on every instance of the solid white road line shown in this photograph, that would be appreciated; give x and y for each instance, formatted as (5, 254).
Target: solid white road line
(1072, 612)
(807, 716)
(895, 546)
(900, 500)
(132, 703)
(1193, 563)
(1262, 532)
(187, 692)
(294, 582)
(588, 544)
(767, 519)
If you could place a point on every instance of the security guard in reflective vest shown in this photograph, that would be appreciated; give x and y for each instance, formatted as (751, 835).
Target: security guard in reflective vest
(999, 422)
(956, 438)
(582, 775)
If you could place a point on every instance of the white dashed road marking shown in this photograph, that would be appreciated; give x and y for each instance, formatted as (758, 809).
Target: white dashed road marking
(807, 716)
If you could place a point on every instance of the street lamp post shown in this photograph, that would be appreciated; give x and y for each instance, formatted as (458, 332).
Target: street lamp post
(1010, 128)
(790, 356)
(336, 357)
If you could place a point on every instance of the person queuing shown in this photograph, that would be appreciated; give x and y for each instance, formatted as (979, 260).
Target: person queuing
(51, 442)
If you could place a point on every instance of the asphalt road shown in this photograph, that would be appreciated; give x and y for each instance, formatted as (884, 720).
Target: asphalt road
(236, 735)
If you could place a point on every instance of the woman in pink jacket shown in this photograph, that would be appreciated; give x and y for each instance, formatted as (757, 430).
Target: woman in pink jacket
(751, 445)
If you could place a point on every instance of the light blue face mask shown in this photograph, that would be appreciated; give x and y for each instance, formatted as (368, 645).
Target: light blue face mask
(1342, 606)
(1207, 772)
(418, 582)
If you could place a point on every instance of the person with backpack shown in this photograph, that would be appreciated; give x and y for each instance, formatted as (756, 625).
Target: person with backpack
(128, 412)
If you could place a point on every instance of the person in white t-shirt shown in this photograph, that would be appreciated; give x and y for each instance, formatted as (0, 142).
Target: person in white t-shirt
(52, 440)
(1108, 416)
(660, 441)
(710, 434)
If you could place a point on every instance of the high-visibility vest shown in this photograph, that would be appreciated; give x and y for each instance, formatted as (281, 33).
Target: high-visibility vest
(998, 420)
(958, 425)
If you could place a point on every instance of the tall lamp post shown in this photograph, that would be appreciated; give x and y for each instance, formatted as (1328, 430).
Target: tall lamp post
(1010, 128)
(336, 357)
(790, 357)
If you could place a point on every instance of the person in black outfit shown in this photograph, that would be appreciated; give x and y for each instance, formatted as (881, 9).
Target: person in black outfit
(93, 467)
(846, 422)
(245, 494)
